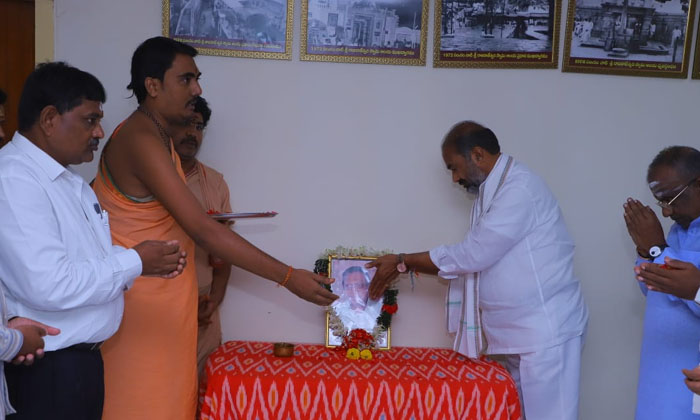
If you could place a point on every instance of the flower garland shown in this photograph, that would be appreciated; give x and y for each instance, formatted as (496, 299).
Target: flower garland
(358, 343)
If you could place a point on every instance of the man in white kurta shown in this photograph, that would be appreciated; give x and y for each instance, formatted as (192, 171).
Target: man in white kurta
(511, 278)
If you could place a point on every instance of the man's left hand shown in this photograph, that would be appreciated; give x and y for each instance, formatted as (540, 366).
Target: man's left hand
(28, 358)
(643, 225)
(677, 278)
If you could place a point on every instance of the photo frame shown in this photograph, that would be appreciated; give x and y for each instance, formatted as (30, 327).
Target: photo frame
(496, 33)
(353, 307)
(629, 37)
(696, 65)
(234, 28)
(352, 31)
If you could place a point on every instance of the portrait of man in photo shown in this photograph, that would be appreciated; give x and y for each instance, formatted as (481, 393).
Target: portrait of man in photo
(354, 307)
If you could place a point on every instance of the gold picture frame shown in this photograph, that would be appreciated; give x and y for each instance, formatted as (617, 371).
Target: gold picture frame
(342, 31)
(695, 74)
(348, 270)
(629, 37)
(254, 29)
(496, 34)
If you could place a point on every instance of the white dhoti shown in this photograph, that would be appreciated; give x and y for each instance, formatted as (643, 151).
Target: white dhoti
(548, 380)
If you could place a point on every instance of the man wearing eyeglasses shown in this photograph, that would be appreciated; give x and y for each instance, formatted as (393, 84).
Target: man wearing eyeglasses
(672, 319)
(212, 192)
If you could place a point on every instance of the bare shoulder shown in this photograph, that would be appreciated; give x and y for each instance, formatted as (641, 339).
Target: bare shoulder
(135, 133)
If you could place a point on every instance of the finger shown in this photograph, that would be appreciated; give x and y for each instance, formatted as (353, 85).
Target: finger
(693, 374)
(677, 264)
(321, 300)
(654, 270)
(635, 210)
(653, 280)
(49, 330)
(18, 360)
(650, 212)
(169, 248)
(326, 294)
(39, 353)
(173, 242)
(29, 359)
(377, 288)
(323, 280)
(372, 264)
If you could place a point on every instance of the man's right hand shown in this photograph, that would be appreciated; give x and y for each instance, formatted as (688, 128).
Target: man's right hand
(309, 286)
(160, 258)
(643, 225)
(692, 379)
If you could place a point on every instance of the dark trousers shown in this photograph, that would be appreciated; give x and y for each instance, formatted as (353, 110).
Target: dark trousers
(66, 384)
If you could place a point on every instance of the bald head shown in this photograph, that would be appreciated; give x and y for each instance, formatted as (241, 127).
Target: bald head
(466, 135)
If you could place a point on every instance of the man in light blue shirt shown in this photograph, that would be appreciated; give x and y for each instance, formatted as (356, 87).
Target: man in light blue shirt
(671, 323)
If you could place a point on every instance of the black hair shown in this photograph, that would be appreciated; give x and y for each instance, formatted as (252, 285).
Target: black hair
(355, 269)
(686, 160)
(3, 97)
(466, 135)
(202, 107)
(152, 59)
(60, 85)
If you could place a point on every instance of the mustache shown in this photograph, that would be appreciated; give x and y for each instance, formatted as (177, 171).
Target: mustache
(189, 139)
(94, 142)
(471, 187)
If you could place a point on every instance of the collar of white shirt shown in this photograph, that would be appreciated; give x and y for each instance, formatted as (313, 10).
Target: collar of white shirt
(42, 159)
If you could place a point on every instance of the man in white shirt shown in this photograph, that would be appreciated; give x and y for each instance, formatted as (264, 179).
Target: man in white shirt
(57, 262)
(511, 279)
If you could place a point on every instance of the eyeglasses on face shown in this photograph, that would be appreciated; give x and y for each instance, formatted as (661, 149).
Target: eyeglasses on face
(667, 204)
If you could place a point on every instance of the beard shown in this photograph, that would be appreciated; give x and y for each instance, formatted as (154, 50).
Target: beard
(475, 178)
(471, 187)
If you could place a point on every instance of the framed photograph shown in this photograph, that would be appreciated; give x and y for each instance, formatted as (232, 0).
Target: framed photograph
(373, 32)
(354, 309)
(236, 28)
(629, 37)
(696, 66)
(496, 33)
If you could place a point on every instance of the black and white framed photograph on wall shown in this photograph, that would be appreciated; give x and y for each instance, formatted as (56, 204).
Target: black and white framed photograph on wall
(496, 33)
(629, 37)
(696, 65)
(362, 31)
(236, 28)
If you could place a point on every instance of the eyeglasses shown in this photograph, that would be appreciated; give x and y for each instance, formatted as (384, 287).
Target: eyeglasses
(667, 204)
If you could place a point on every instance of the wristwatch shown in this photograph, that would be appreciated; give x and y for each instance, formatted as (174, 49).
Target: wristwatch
(401, 266)
(656, 250)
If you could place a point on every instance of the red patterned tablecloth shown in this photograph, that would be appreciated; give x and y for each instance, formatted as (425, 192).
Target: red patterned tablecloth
(246, 381)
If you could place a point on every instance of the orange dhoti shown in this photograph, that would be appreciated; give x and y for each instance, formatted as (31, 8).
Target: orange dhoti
(150, 363)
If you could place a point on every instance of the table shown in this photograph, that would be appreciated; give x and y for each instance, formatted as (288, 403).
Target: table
(246, 381)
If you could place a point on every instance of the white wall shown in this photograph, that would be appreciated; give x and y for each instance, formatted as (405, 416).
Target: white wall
(305, 139)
